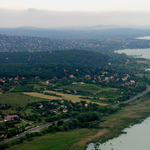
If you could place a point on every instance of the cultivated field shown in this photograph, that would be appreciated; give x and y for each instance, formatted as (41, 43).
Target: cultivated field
(85, 87)
(73, 98)
(17, 99)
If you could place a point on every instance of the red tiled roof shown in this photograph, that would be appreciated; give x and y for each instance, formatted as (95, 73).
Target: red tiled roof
(80, 104)
(10, 117)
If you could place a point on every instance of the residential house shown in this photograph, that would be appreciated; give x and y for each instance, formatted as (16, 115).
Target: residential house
(74, 82)
(43, 112)
(55, 110)
(82, 83)
(1, 80)
(124, 79)
(62, 106)
(87, 76)
(65, 110)
(75, 92)
(15, 82)
(86, 105)
(62, 101)
(68, 91)
(71, 76)
(132, 81)
(47, 81)
(126, 83)
(80, 104)
(41, 105)
(10, 117)
(70, 105)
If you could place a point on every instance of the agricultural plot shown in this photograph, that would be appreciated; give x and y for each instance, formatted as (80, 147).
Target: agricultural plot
(95, 90)
(92, 88)
(110, 93)
(17, 99)
(73, 98)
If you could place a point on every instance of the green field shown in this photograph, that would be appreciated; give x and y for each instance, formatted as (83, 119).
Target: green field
(141, 75)
(73, 140)
(85, 87)
(108, 93)
(17, 99)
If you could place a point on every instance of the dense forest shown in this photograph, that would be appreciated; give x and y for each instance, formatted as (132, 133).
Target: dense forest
(72, 57)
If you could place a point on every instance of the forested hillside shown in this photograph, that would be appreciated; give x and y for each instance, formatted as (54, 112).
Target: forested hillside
(72, 57)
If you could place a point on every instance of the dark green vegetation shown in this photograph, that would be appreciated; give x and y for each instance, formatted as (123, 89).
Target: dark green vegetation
(70, 57)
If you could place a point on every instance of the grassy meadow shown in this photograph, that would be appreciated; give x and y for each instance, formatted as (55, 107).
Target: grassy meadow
(18, 99)
(72, 140)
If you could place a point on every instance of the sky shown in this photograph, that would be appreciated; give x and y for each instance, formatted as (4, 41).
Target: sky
(66, 13)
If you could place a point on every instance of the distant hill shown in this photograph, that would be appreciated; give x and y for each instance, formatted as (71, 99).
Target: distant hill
(78, 32)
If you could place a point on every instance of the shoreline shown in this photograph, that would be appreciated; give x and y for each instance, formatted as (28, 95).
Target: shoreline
(116, 123)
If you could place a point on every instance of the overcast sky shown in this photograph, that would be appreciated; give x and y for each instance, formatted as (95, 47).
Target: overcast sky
(62, 13)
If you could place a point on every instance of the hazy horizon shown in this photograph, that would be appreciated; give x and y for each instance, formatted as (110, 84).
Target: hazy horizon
(58, 14)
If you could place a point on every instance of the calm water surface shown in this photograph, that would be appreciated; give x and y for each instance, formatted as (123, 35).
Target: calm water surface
(145, 53)
(143, 38)
(137, 138)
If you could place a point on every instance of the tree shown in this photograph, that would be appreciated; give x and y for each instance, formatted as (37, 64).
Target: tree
(60, 122)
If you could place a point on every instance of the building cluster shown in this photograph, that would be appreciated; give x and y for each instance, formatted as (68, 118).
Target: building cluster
(62, 106)
(32, 44)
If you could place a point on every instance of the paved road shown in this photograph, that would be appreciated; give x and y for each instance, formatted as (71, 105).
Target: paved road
(30, 130)
(135, 97)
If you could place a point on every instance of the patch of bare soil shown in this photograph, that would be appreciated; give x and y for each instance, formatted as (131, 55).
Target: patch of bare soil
(142, 61)
(135, 116)
(91, 138)
(111, 122)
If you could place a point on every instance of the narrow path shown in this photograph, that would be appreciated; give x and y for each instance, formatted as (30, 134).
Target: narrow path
(24, 121)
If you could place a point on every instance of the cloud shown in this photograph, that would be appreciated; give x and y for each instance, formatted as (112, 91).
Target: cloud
(52, 19)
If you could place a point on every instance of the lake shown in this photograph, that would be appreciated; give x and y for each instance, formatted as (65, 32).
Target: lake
(137, 138)
(143, 38)
(142, 53)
